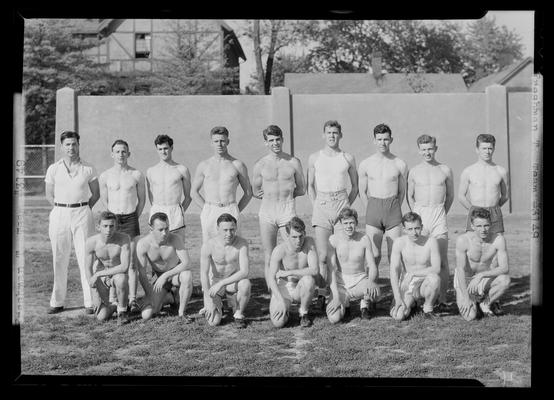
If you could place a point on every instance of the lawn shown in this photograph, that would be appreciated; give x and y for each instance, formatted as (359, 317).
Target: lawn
(493, 351)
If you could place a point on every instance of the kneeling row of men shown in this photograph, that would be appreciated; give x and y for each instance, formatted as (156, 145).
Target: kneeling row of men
(480, 279)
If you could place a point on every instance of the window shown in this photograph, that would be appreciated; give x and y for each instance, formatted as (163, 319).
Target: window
(142, 45)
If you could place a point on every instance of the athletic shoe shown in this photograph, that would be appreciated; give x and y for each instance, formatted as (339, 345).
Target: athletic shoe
(305, 321)
(54, 310)
(347, 312)
(89, 310)
(240, 323)
(496, 309)
(122, 318)
(365, 314)
(187, 319)
(442, 308)
(429, 315)
(321, 302)
(202, 311)
(134, 307)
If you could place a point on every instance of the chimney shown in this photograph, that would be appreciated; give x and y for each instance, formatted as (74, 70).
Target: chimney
(376, 64)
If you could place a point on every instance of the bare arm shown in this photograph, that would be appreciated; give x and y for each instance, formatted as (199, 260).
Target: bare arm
(300, 188)
(141, 262)
(435, 259)
(257, 180)
(124, 258)
(244, 182)
(461, 260)
(503, 187)
(141, 194)
(148, 187)
(410, 195)
(103, 187)
(184, 259)
(402, 179)
(449, 191)
(463, 188)
(362, 183)
(89, 260)
(244, 268)
(95, 190)
(310, 179)
(372, 271)
(197, 185)
(274, 264)
(205, 255)
(396, 270)
(502, 255)
(311, 269)
(186, 188)
(353, 173)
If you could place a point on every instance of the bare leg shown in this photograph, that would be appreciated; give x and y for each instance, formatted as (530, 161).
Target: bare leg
(376, 238)
(430, 291)
(184, 281)
(321, 242)
(121, 284)
(445, 270)
(133, 274)
(306, 288)
(243, 296)
(471, 314)
(392, 234)
(498, 287)
(278, 322)
(157, 302)
(215, 318)
(268, 233)
(105, 309)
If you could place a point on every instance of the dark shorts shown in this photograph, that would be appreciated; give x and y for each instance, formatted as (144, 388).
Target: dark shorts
(497, 221)
(128, 223)
(383, 214)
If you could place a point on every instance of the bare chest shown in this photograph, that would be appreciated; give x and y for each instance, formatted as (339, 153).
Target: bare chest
(295, 261)
(432, 176)
(485, 177)
(277, 171)
(224, 255)
(121, 181)
(221, 172)
(165, 176)
(107, 252)
(383, 170)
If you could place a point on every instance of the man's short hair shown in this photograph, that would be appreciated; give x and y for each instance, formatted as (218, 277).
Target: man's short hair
(273, 130)
(297, 224)
(105, 215)
(332, 123)
(225, 217)
(426, 139)
(381, 128)
(122, 142)
(411, 217)
(69, 135)
(348, 213)
(159, 215)
(219, 130)
(161, 139)
(480, 213)
(485, 138)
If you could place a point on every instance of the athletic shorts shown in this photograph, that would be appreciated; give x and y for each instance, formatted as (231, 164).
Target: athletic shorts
(174, 281)
(128, 223)
(277, 213)
(353, 287)
(433, 219)
(482, 287)
(209, 215)
(412, 288)
(327, 207)
(174, 213)
(383, 214)
(289, 290)
(497, 222)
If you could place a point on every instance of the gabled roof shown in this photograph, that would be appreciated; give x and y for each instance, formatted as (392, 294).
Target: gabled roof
(501, 77)
(323, 83)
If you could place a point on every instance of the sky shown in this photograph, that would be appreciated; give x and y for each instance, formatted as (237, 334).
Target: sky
(522, 22)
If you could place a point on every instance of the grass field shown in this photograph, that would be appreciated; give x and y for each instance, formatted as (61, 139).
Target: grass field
(494, 351)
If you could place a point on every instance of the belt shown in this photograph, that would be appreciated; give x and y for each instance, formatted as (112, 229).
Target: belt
(73, 205)
(220, 204)
(331, 195)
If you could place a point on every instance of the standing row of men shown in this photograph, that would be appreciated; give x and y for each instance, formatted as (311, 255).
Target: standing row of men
(381, 180)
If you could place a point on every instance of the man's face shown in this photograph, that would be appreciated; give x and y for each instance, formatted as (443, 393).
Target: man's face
(220, 143)
(274, 143)
(382, 141)
(70, 147)
(427, 151)
(164, 151)
(227, 230)
(296, 239)
(120, 154)
(107, 228)
(160, 230)
(485, 151)
(413, 230)
(332, 136)
(349, 225)
(482, 227)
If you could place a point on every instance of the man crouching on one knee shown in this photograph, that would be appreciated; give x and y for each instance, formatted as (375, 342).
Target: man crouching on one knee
(420, 256)
(224, 268)
(292, 269)
(478, 286)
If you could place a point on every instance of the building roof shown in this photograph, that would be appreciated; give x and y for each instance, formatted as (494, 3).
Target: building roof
(322, 83)
(501, 77)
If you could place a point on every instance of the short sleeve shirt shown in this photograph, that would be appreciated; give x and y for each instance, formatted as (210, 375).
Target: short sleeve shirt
(74, 188)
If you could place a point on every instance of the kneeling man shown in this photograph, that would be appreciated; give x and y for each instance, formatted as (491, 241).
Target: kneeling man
(419, 279)
(107, 262)
(292, 271)
(224, 272)
(353, 269)
(165, 252)
(477, 284)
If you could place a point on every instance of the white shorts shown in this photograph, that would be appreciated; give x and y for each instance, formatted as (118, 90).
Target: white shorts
(175, 215)
(277, 213)
(412, 288)
(289, 290)
(481, 287)
(209, 215)
(433, 219)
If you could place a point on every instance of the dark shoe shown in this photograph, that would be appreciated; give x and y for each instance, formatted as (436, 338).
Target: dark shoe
(134, 307)
(365, 314)
(347, 312)
(442, 308)
(321, 302)
(89, 310)
(305, 321)
(187, 319)
(55, 310)
(197, 291)
(496, 309)
(478, 312)
(240, 323)
(429, 315)
(122, 318)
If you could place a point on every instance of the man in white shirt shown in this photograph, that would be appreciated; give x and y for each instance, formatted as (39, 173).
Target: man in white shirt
(72, 189)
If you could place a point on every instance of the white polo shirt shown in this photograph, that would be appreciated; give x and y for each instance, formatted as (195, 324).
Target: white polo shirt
(69, 189)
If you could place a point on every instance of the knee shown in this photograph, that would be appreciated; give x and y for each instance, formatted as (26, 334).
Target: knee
(185, 278)
(308, 282)
(105, 313)
(433, 281)
(120, 281)
(335, 317)
(504, 281)
(244, 286)
(147, 313)
(281, 322)
(215, 319)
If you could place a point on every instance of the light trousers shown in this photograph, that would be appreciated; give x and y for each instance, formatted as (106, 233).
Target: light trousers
(69, 225)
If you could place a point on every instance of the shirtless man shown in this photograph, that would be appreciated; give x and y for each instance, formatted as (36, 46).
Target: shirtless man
(330, 172)
(484, 184)
(277, 180)
(169, 260)
(430, 194)
(292, 271)
(220, 175)
(478, 284)
(353, 269)
(420, 257)
(107, 261)
(224, 272)
(123, 192)
(382, 183)
(168, 184)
